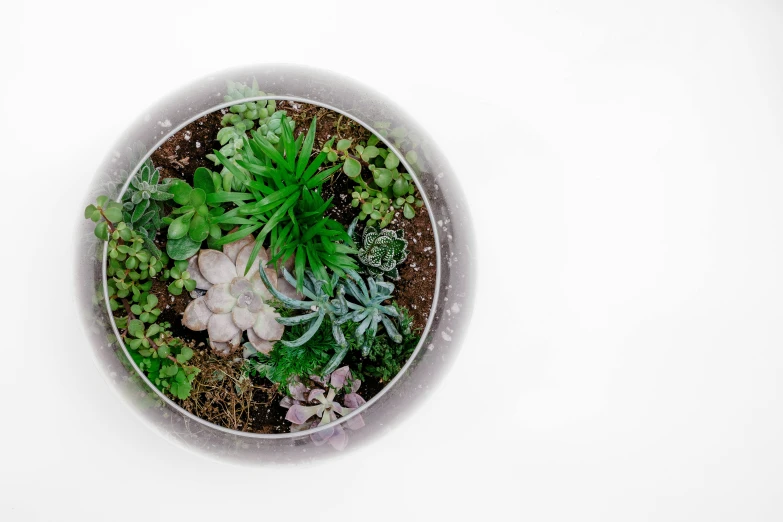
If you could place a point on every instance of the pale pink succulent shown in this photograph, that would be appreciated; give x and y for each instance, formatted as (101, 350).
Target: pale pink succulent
(305, 403)
(234, 302)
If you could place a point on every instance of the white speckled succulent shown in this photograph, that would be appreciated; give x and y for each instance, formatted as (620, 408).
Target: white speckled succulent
(234, 303)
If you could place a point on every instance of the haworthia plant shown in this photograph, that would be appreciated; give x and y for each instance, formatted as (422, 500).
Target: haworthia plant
(381, 251)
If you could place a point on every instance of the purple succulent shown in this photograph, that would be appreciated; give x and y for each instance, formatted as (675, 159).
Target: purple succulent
(308, 402)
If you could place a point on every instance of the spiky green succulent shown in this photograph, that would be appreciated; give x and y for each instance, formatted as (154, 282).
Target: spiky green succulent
(381, 251)
(319, 304)
(368, 309)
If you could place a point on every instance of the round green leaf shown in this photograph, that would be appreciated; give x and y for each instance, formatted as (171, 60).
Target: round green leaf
(197, 197)
(400, 187)
(113, 214)
(163, 351)
(369, 153)
(199, 227)
(392, 161)
(181, 191)
(102, 231)
(352, 168)
(383, 177)
(408, 211)
(343, 145)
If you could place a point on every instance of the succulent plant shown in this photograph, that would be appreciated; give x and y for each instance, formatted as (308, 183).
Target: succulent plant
(181, 278)
(369, 310)
(233, 303)
(308, 402)
(129, 269)
(391, 188)
(142, 206)
(161, 357)
(381, 250)
(320, 305)
(104, 213)
(288, 206)
(240, 119)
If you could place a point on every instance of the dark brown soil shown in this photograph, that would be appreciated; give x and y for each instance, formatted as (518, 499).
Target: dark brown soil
(183, 153)
(220, 394)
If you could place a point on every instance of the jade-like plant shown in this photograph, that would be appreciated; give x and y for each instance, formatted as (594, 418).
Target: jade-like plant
(143, 203)
(130, 266)
(381, 251)
(288, 206)
(104, 213)
(181, 278)
(194, 220)
(305, 403)
(234, 303)
(161, 357)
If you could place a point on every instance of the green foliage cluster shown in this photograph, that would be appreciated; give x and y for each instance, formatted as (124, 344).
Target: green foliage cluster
(142, 204)
(241, 118)
(391, 188)
(288, 207)
(194, 219)
(285, 362)
(385, 359)
(383, 362)
(130, 270)
(180, 277)
(161, 357)
(358, 316)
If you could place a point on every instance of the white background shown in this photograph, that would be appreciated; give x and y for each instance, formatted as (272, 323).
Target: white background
(623, 161)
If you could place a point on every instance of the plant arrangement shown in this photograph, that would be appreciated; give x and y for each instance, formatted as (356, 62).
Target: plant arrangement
(258, 285)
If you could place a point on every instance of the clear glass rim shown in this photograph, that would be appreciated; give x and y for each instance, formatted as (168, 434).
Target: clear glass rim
(358, 411)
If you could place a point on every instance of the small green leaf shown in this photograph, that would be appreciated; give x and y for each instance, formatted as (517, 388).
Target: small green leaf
(383, 177)
(174, 289)
(163, 351)
(352, 167)
(102, 231)
(408, 211)
(113, 214)
(392, 161)
(180, 226)
(202, 179)
(182, 248)
(136, 328)
(343, 145)
(199, 227)
(197, 197)
(181, 191)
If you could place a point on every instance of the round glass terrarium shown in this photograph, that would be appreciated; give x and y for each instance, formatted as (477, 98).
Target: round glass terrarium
(446, 220)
